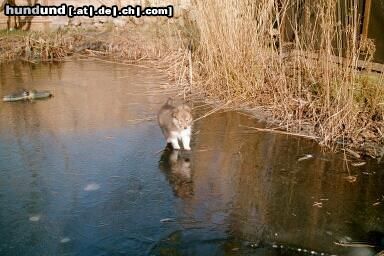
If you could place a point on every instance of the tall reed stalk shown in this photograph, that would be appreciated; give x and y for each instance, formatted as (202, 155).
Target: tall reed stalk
(298, 58)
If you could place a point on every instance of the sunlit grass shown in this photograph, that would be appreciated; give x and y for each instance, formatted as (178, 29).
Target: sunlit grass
(303, 69)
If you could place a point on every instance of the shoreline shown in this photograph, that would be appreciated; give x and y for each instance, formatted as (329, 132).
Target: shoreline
(143, 47)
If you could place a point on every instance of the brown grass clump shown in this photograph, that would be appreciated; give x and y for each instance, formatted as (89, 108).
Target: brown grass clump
(298, 59)
(32, 46)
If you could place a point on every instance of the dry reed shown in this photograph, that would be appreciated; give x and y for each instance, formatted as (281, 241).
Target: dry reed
(142, 45)
(298, 58)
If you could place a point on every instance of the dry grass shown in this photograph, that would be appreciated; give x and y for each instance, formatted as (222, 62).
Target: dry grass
(155, 46)
(298, 59)
(127, 45)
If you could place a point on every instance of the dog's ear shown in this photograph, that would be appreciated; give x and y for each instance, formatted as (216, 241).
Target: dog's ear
(186, 108)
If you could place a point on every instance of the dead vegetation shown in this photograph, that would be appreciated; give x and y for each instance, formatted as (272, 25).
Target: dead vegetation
(131, 43)
(156, 46)
(297, 59)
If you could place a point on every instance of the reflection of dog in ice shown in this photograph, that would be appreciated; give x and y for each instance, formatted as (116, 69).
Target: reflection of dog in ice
(177, 167)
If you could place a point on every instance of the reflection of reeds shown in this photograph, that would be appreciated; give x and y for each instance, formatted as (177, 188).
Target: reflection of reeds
(140, 120)
(257, 52)
(281, 132)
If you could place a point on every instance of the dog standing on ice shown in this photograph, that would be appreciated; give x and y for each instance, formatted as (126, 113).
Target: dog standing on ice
(176, 124)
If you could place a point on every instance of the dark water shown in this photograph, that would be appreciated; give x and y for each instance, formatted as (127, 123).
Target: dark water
(376, 29)
(80, 174)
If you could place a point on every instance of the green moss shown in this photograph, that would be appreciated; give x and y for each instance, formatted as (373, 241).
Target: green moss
(369, 94)
(369, 90)
(5, 32)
